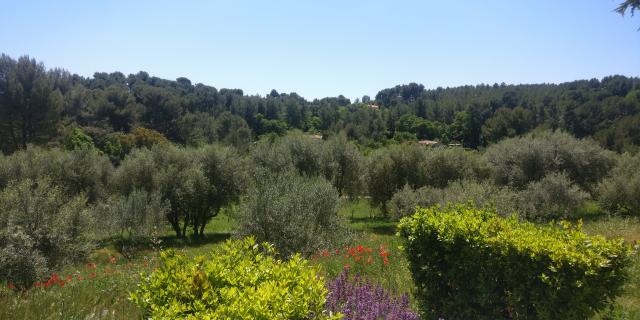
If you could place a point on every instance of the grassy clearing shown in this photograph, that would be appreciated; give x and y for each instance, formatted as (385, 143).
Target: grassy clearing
(105, 296)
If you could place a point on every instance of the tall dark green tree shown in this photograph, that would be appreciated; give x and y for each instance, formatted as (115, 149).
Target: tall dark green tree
(30, 105)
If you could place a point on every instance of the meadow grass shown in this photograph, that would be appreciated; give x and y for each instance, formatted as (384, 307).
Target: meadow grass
(105, 296)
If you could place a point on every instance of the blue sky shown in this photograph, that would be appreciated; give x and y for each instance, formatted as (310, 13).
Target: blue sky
(327, 48)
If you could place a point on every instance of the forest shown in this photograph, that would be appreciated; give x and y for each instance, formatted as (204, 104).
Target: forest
(44, 107)
(491, 201)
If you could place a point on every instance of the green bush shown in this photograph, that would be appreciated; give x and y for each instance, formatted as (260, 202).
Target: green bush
(390, 169)
(295, 213)
(80, 171)
(521, 160)
(40, 228)
(472, 264)
(238, 280)
(554, 196)
(620, 192)
(482, 194)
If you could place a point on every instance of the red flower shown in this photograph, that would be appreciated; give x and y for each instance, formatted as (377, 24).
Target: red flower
(113, 260)
(11, 286)
(61, 283)
(369, 261)
(346, 266)
(325, 253)
(69, 278)
(360, 248)
(92, 275)
(37, 284)
(91, 265)
(337, 252)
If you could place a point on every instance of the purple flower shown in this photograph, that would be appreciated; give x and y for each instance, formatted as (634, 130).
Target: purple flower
(358, 299)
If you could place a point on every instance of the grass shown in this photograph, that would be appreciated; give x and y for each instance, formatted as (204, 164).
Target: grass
(105, 296)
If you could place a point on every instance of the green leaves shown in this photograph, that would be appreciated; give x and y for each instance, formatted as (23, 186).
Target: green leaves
(239, 280)
(472, 262)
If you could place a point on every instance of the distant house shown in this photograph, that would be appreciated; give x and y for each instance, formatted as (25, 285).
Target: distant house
(431, 143)
(316, 136)
(374, 106)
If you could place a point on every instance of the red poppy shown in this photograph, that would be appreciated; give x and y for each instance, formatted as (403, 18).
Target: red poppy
(11, 286)
(37, 284)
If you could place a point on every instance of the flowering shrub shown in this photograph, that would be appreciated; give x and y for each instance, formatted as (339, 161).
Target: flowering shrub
(239, 280)
(358, 299)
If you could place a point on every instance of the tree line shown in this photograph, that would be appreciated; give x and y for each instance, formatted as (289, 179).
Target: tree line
(47, 107)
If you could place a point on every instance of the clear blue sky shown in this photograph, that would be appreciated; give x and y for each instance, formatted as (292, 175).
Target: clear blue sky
(329, 47)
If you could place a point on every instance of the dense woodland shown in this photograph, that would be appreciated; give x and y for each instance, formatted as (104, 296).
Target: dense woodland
(47, 107)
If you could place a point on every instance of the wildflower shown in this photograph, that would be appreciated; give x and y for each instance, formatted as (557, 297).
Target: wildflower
(61, 283)
(37, 284)
(11, 286)
(69, 278)
(357, 298)
(325, 253)
(91, 265)
(92, 275)
(113, 260)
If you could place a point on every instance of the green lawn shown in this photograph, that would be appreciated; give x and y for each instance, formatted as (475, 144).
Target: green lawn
(103, 291)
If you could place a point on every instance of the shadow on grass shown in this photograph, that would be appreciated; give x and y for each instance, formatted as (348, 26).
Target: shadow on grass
(189, 241)
(132, 248)
(384, 230)
(376, 225)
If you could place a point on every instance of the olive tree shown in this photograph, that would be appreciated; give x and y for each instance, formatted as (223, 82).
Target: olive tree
(40, 228)
(295, 213)
(620, 191)
(519, 161)
(343, 165)
(132, 218)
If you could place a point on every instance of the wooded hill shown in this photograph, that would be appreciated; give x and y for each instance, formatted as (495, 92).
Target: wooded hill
(43, 106)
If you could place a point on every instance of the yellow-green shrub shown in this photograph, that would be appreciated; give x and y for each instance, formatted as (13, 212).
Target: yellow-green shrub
(239, 280)
(472, 264)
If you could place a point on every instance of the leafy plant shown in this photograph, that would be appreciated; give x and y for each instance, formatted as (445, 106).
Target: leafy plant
(359, 299)
(469, 263)
(294, 213)
(40, 228)
(239, 280)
